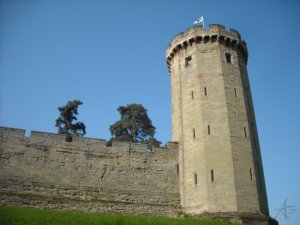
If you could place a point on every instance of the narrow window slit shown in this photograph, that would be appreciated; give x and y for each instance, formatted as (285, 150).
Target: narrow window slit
(195, 178)
(208, 129)
(228, 58)
(245, 132)
(212, 176)
(188, 61)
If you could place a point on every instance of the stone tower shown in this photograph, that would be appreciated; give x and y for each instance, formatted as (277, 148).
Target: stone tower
(213, 121)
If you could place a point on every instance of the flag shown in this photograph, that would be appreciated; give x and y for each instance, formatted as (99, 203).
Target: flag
(200, 20)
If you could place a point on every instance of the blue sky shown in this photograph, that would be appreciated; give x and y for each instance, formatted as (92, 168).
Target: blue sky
(112, 53)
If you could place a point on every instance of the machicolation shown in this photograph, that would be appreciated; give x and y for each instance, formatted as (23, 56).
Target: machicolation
(197, 35)
(212, 167)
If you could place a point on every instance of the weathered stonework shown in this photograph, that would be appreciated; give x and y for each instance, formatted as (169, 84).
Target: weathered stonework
(212, 168)
(214, 123)
(46, 171)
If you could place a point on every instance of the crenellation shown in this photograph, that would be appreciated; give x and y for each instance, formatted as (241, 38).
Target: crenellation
(62, 139)
(46, 166)
(215, 145)
(216, 27)
(11, 133)
(196, 34)
(38, 138)
(236, 33)
(212, 167)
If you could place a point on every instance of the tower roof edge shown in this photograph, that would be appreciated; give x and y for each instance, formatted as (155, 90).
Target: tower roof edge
(200, 30)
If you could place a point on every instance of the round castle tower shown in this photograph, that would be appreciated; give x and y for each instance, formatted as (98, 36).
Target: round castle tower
(213, 120)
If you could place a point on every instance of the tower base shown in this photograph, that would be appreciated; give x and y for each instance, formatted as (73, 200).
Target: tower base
(243, 218)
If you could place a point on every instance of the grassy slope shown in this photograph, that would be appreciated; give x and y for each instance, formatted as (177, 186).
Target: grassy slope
(28, 216)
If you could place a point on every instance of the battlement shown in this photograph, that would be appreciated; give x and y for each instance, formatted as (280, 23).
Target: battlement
(214, 34)
(216, 170)
(45, 140)
(47, 170)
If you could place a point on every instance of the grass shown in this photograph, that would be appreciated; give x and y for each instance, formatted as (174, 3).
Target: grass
(28, 216)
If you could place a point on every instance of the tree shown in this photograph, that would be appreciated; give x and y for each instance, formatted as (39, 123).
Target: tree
(65, 123)
(134, 126)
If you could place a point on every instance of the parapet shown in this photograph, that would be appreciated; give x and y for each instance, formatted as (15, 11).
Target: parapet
(215, 33)
(62, 138)
(87, 175)
(136, 148)
(6, 132)
(44, 140)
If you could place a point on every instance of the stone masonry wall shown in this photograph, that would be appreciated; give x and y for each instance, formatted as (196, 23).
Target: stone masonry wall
(46, 171)
(213, 120)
